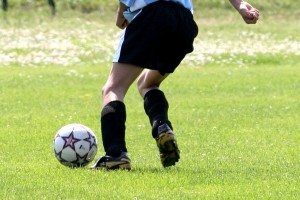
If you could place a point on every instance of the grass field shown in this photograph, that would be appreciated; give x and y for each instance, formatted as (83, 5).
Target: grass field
(234, 103)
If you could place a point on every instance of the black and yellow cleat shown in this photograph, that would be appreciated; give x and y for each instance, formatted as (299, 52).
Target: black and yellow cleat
(167, 145)
(111, 163)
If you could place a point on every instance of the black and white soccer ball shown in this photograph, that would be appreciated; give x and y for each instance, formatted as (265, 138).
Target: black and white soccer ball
(75, 145)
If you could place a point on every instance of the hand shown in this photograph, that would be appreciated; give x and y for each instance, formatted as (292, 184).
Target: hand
(121, 22)
(249, 13)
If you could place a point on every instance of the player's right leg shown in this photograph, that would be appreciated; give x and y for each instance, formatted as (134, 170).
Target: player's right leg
(156, 106)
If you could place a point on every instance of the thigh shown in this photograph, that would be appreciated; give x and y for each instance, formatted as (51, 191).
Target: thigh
(119, 80)
(123, 75)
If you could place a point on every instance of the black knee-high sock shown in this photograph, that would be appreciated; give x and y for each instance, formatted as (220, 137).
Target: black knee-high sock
(113, 118)
(156, 107)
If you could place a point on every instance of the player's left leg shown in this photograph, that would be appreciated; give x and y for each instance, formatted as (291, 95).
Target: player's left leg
(155, 103)
(156, 106)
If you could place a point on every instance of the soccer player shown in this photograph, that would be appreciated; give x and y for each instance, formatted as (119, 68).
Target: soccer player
(157, 35)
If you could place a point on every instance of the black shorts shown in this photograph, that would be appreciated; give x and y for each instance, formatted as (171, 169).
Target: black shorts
(158, 38)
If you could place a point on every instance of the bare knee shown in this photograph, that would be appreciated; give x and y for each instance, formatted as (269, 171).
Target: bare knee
(105, 90)
(112, 93)
(140, 85)
(144, 86)
(149, 80)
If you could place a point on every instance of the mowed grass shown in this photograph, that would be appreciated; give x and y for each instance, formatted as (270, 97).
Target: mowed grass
(236, 115)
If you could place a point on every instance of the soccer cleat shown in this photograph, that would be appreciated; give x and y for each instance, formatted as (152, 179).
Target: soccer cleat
(113, 163)
(167, 145)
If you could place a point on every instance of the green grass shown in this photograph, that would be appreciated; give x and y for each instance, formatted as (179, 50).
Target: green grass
(236, 116)
(87, 6)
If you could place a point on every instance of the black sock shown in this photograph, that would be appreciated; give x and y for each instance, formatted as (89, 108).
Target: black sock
(113, 118)
(156, 107)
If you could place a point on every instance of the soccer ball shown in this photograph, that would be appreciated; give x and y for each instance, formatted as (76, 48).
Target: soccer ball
(75, 145)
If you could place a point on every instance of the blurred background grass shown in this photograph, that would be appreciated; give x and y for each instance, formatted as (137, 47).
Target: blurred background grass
(87, 6)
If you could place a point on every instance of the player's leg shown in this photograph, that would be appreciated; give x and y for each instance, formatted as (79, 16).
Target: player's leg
(156, 106)
(149, 80)
(120, 78)
(155, 103)
(113, 116)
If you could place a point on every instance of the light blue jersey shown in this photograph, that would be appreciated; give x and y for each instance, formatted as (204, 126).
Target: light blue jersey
(134, 6)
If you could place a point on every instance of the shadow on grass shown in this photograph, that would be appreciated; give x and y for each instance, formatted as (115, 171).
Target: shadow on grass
(162, 170)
